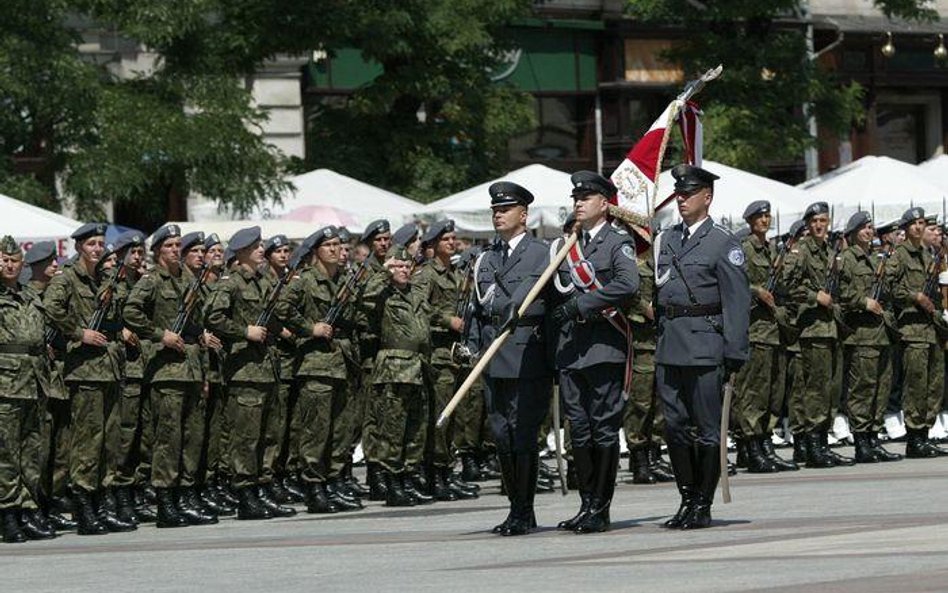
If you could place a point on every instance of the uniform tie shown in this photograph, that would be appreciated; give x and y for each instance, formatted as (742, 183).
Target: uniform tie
(586, 238)
(504, 249)
(684, 236)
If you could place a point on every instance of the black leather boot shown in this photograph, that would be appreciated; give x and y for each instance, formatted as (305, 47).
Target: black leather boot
(59, 521)
(395, 495)
(84, 515)
(10, 526)
(709, 471)
(585, 475)
(410, 485)
(277, 492)
(35, 526)
(189, 507)
(276, 509)
(215, 503)
(125, 505)
(168, 515)
(800, 452)
(508, 472)
(437, 486)
(293, 489)
(641, 471)
(352, 483)
(683, 462)
(249, 507)
(740, 443)
(756, 462)
(490, 467)
(597, 519)
(522, 518)
(784, 465)
(143, 512)
(817, 457)
(864, 452)
(838, 459)
(339, 496)
(879, 451)
(377, 481)
(917, 445)
(661, 471)
(461, 490)
(318, 502)
(470, 470)
(225, 493)
(106, 512)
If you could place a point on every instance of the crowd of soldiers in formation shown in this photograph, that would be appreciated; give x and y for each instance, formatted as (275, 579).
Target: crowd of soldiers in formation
(213, 381)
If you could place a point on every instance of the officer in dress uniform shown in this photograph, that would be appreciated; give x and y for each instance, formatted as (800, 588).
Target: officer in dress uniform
(519, 379)
(598, 280)
(703, 316)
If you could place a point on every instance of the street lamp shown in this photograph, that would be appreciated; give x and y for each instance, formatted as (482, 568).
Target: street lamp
(888, 50)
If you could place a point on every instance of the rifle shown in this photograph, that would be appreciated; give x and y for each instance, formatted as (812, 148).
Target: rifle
(878, 284)
(270, 306)
(932, 289)
(464, 308)
(778, 264)
(831, 285)
(345, 292)
(189, 299)
(105, 298)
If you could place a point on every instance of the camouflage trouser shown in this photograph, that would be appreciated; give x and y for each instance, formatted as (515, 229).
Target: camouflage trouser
(922, 391)
(276, 415)
(323, 440)
(36, 453)
(441, 451)
(812, 402)
(794, 381)
(18, 419)
(643, 422)
(225, 429)
(213, 409)
(401, 421)
(123, 440)
(245, 405)
(147, 444)
(759, 391)
(352, 417)
(193, 435)
(174, 404)
(469, 419)
(94, 410)
(59, 436)
(370, 412)
(869, 374)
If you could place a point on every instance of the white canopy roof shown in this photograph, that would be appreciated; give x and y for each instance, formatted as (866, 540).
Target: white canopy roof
(733, 192)
(936, 170)
(323, 187)
(29, 224)
(471, 212)
(884, 186)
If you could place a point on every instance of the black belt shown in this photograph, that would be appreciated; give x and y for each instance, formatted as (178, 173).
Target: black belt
(497, 321)
(19, 349)
(673, 311)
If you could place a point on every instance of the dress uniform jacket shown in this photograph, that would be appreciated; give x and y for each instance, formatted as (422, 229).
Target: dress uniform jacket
(501, 286)
(713, 264)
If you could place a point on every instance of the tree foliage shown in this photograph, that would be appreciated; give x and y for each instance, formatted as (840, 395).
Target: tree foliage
(756, 114)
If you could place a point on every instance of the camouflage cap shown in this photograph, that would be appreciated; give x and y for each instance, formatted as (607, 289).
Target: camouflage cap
(9, 246)
(400, 253)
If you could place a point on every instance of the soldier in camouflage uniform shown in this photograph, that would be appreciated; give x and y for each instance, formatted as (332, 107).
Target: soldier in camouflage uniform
(442, 282)
(326, 351)
(93, 371)
(760, 384)
(401, 322)
(250, 369)
(22, 370)
(378, 238)
(807, 282)
(866, 358)
(917, 313)
(175, 377)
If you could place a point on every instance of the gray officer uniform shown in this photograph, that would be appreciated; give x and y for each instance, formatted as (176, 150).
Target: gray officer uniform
(703, 301)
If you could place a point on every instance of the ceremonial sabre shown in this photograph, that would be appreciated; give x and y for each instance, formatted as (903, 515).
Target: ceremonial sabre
(725, 416)
(499, 340)
(557, 441)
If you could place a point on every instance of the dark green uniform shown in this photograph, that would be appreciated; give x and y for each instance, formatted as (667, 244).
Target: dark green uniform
(93, 374)
(249, 369)
(277, 412)
(369, 301)
(214, 427)
(175, 377)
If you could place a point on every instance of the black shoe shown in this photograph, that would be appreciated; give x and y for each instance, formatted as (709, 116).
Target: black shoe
(191, 509)
(353, 486)
(438, 488)
(800, 454)
(410, 488)
(699, 515)
(707, 472)
(522, 482)
(226, 494)
(142, 510)
(35, 526)
(317, 501)
(684, 463)
(125, 505)
(343, 503)
(337, 488)
(661, 471)
(277, 510)
(214, 503)
(168, 515)
(151, 496)
(293, 489)
(756, 461)
(490, 468)
(10, 526)
(606, 465)
(640, 468)
(684, 509)
(278, 493)
(470, 470)
(767, 447)
(839, 460)
(59, 521)
(880, 452)
(249, 507)
(377, 482)
(461, 490)
(741, 445)
(864, 450)
(817, 456)
(106, 514)
(395, 495)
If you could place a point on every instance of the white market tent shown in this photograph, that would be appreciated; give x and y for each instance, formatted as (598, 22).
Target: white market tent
(733, 192)
(883, 186)
(323, 188)
(471, 212)
(29, 224)
(936, 170)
